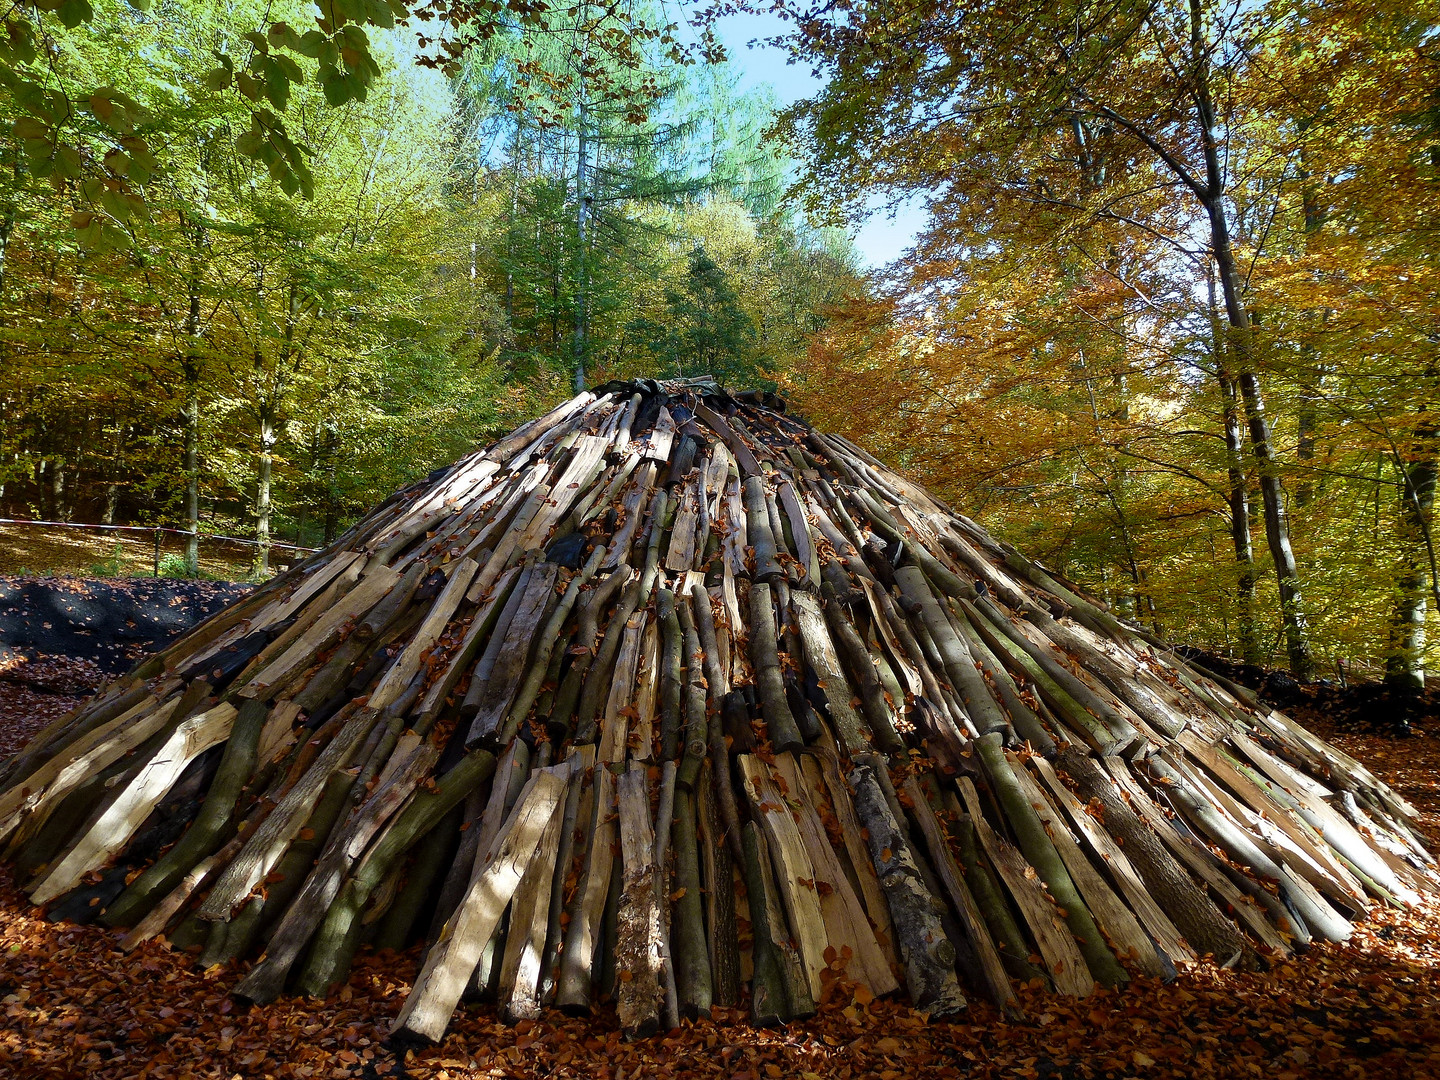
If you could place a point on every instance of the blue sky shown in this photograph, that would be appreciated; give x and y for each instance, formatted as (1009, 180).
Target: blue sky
(881, 238)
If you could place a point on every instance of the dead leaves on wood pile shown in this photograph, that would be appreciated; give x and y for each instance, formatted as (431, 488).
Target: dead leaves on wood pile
(73, 1005)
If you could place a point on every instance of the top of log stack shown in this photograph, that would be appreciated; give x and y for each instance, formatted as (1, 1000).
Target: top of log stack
(668, 632)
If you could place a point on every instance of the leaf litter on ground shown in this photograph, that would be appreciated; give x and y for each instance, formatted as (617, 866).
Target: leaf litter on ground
(72, 1004)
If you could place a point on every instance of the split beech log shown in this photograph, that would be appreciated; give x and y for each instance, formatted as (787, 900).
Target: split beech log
(992, 974)
(61, 733)
(582, 934)
(267, 978)
(474, 606)
(696, 730)
(260, 854)
(1204, 927)
(718, 876)
(780, 990)
(671, 683)
(128, 811)
(89, 754)
(1119, 928)
(845, 922)
(1243, 849)
(519, 975)
(638, 943)
(448, 964)
(825, 761)
(758, 531)
(329, 960)
(1039, 848)
(567, 698)
(1064, 965)
(494, 701)
(236, 766)
(927, 954)
(820, 655)
(794, 874)
(860, 667)
(578, 802)
(258, 915)
(1202, 862)
(1113, 856)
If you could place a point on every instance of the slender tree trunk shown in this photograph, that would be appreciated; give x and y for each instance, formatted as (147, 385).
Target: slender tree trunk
(582, 213)
(112, 476)
(1404, 661)
(190, 367)
(264, 467)
(1240, 524)
(57, 487)
(332, 489)
(1239, 500)
(1314, 218)
(1239, 348)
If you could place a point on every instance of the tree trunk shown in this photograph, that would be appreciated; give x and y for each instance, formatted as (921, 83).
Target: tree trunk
(264, 468)
(190, 367)
(1240, 524)
(1240, 347)
(582, 214)
(1404, 661)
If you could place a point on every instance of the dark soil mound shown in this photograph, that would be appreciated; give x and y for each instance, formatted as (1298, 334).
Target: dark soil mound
(112, 623)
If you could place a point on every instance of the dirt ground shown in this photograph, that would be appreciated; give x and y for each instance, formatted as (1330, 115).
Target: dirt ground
(73, 1005)
(33, 550)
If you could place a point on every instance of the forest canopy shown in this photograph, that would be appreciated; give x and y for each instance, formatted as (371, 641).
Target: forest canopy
(268, 274)
(1171, 327)
(1173, 323)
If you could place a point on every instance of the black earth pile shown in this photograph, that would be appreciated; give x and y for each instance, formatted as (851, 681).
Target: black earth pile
(113, 624)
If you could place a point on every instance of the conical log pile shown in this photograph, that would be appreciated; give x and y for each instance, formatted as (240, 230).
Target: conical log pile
(667, 693)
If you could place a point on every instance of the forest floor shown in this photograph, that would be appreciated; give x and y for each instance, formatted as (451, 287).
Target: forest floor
(41, 550)
(73, 1005)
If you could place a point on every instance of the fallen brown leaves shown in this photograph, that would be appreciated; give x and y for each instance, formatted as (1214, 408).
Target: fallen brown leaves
(73, 1005)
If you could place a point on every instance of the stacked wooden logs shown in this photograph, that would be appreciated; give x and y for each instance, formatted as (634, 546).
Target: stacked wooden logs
(665, 695)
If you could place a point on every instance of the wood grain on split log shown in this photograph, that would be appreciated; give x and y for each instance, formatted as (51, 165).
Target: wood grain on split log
(859, 666)
(780, 989)
(794, 873)
(992, 974)
(205, 832)
(448, 964)
(582, 935)
(259, 856)
(1039, 848)
(1204, 865)
(638, 943)
(87, 755)
(126, 813)
(1117, 924)
(1113, 856)
(325, 632)
(1063, 962)
(845, 921)
(493, 700)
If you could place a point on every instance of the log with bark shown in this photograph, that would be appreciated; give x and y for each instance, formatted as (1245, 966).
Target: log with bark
(666, 689)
